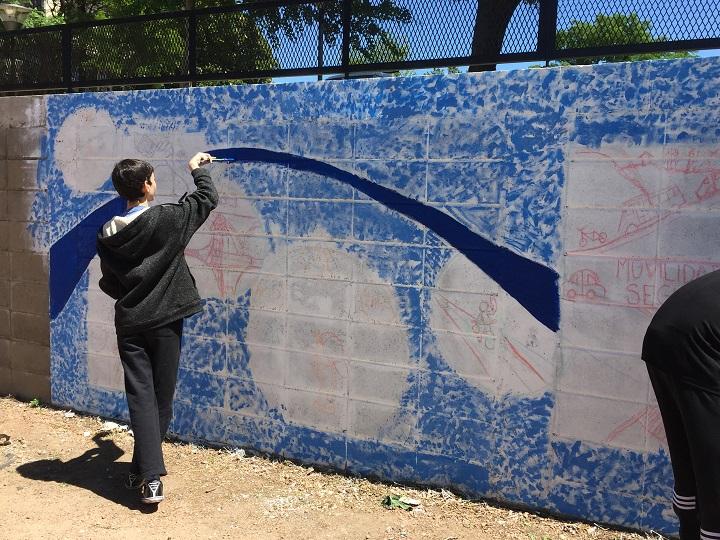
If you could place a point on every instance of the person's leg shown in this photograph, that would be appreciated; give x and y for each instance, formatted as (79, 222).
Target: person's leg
(139, 388)
(164, 343)
(701, 413)
(684, 493)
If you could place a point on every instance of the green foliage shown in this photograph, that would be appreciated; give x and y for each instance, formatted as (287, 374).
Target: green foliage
(368, 31)
(385, 48)
(35, 402)
(615, 29)
(452, 70)
(37, 18)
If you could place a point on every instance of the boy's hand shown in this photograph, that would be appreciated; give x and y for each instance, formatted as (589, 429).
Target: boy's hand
(198, 160)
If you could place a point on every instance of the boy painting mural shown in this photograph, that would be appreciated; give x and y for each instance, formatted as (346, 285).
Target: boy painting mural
(144, 270)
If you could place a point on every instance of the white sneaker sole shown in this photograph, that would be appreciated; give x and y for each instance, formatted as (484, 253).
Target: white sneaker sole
(152, 500)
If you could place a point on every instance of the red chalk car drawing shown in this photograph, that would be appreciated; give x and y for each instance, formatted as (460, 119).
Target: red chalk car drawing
(584, 284)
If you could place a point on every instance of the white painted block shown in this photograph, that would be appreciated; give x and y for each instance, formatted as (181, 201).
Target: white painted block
(102, 338)
(317, 373)
(324, 336)
(378, 422)
(610, 328)
(266, 328)
(325, 260)
(470, 355)
(377, 383)
(376, 304)
(319, 297)
(380, 343)
(607, 422)
(686, 236)
(321, 411)
(105, 371)
(614, 177)
(267, 292)
(596, 373)
(268, 365)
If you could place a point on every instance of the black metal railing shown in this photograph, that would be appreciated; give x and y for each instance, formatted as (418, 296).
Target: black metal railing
(262, 39)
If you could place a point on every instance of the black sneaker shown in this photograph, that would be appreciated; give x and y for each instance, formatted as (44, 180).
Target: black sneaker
(133, 481)
(151, 491)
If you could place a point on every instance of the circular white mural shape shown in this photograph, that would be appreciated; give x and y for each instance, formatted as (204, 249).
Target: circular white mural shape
(487, 336)
(338, 358)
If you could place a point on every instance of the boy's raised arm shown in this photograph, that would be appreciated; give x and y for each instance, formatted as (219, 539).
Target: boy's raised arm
(198, 205)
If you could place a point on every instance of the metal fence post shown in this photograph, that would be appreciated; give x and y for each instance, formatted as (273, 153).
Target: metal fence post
(346, 21)
(548, 28)
(66, 45)
(192, 47)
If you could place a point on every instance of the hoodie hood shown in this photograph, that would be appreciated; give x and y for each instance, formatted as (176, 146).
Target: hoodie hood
(133, 233)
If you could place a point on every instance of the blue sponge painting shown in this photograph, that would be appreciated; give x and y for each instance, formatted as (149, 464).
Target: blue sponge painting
(442, 280)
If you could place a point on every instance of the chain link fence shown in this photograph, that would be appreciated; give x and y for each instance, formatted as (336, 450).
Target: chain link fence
(262, 39)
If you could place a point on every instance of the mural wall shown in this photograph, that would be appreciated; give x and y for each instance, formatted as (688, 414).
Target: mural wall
(440, 280)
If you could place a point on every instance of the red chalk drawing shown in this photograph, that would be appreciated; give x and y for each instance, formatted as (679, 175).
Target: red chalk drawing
(226, 254)
(464, 319)
(517, 354)
(696, 172)
(648, 419)
(584, 284)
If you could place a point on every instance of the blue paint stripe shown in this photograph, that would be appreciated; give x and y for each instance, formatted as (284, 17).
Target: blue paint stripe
(532, 284)
(71, 255)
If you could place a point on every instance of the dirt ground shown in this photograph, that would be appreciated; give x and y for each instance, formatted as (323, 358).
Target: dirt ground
(61, 477)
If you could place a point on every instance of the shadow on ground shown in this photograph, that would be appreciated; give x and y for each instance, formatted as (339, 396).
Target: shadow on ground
(96, 470)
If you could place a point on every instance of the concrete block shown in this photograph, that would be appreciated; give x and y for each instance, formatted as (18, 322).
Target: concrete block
(29, 386)
(25, 143)
(4, 231)
(3, 172)
(265, 328)
(4, 353)
(3, 142)
(30, 357)
(5, 265)
(22, 174)
(3, 205)
(19, 205)
(29, 327)
(324, 336)
(608, 422)
(28, 266)
(4, 293)
(379, 343)
(382, 422)
(30, 297)
(5, 330)
(318, 373)
(19, 237)
(105, 371)
(320, 297)
(23, 111)
(379, 384)
(6, 386)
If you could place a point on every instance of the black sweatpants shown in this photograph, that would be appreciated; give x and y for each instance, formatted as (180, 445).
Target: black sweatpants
(150, 362)
(691, 417)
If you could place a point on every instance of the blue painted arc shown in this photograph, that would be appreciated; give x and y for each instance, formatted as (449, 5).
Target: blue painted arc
(71, 255)
(532, 284)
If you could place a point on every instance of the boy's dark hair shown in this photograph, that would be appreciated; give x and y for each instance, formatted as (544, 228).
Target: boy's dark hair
(128, 177)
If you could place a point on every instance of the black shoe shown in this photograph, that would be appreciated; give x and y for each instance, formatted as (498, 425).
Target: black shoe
(151, 491)
(133, 481)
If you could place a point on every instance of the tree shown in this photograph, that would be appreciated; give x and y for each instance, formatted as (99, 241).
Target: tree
(615, 29)
(493, 18)
(368, 36)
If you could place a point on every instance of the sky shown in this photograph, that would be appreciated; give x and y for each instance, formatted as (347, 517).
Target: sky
(698, 19)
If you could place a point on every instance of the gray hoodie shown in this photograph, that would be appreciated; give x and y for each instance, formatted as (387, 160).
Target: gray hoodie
(143, 263)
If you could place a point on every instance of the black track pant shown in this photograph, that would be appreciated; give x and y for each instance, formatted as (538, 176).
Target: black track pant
(150, 362)
(692, 424)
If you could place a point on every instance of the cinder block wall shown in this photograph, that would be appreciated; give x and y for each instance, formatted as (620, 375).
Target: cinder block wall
(341, 332)
(24, 293)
